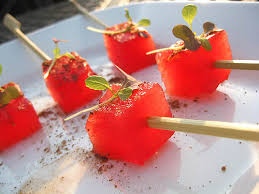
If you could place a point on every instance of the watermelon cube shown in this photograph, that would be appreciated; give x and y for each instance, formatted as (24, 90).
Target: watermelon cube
(66, 82)
(119, 130)
(128, 49)
(18, 120)
(192, 73)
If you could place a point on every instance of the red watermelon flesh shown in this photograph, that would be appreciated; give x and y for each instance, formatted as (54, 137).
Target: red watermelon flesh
(192, 73)
(128, 50)
(119, 129)
(18, 120)
(66, 82)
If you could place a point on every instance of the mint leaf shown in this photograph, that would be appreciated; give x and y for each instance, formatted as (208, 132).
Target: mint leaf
(127, 15)
(10, 93)
(208, 27)
(189, 12)
(144, 22)
(1, 69)
(125, 93)
(97, 83)
(185, 33)
(205, 44)
(69, 55)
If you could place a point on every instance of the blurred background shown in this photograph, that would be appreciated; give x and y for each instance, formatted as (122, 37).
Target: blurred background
(35, 14)
(21, 6)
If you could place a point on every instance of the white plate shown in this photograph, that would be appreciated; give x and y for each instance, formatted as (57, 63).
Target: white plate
(186, 164)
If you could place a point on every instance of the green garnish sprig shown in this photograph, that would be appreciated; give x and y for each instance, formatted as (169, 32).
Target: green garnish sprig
(8, 94)
(185, 33)
(96, 82)
(57, 55)
(133, 27)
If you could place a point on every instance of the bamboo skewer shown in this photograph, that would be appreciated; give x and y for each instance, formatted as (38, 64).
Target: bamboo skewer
(214, 128)
(237, 64)
(15, 26)
(87, 14)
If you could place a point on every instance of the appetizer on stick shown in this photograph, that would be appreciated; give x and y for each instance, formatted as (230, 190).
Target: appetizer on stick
(187, 67)
(65, 78)
(127, 44)
(18, 118)
(117, 127)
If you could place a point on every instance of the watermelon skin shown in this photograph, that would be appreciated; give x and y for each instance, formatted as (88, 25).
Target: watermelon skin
(119, 129)
(128, 50)
(191, 73)
(66, 82)
(18, 120)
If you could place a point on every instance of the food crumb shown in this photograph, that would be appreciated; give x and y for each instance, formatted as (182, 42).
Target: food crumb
(1, 163)
(110, 180)
(240, 142)
(46, 150)
(185, 105)
(83, 117)
(115, 186)
(58, 151)
(195, 100)
(174, 104)
(205, 110)
(223, 168)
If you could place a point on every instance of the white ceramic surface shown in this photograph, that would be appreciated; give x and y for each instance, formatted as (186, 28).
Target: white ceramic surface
(188, 163)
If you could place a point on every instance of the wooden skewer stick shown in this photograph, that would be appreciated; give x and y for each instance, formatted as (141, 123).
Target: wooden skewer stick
(237, 64)
(15, 26)
(223, 64)
(213, 128)
(87, 14)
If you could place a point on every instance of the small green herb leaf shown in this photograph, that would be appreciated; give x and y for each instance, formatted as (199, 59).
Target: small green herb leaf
(185, 33)
(144, 22)
(205, 44)
(125, 93)
(56, 52)
(10, 93)
(97, 83)
(208, 27)
(127, 15)
(1, 69)
(69, 55)
(189, 12)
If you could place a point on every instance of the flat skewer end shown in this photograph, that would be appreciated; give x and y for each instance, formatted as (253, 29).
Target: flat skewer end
(11, 23)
